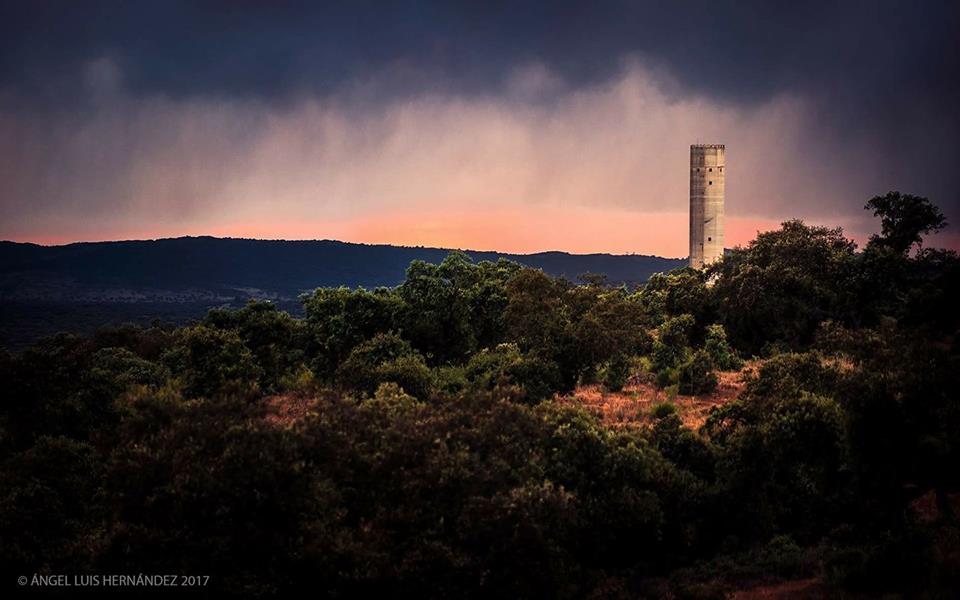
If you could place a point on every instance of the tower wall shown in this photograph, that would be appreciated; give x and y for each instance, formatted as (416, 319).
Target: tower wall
(707, 176)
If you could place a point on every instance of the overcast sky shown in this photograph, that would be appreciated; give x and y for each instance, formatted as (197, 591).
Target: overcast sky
(487, 125)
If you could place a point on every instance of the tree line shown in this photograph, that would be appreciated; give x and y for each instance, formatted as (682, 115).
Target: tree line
(433, 459)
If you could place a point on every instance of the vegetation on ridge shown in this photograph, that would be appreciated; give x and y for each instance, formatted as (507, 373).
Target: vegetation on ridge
(431, 456)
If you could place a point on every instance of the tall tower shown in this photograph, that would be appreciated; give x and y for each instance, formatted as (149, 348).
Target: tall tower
(706, 203)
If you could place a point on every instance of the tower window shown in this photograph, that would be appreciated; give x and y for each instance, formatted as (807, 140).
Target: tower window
(710, 182)
(709, 239)
(710, 169)
(698, 169)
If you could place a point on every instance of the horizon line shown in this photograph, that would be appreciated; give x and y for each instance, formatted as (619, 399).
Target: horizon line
(321, 240)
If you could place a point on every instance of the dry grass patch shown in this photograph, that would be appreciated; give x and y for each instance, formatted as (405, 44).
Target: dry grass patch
(633, 406)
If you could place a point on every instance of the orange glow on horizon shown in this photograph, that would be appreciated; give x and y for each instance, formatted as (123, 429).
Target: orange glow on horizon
(513, 230)
(578, 231)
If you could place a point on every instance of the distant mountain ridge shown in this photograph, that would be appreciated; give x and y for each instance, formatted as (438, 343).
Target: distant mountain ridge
(77, 287)
(281, 267)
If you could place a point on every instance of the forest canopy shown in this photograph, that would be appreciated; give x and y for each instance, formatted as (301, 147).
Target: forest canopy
(409, 440)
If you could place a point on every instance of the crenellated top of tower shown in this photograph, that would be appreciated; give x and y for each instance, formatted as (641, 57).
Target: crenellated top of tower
(720, 146)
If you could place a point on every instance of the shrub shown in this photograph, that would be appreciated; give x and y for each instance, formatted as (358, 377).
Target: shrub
(505, 365)
(48, 495)
(681, 445)
(697, 376)
(276, 340)
(617, 373)
(663, 409)
(112, 372)
(539, 377)
(671, 391)
(667, 377)
(789, 375)
(782, 556)
(302, 380)
(211, 361)
(339, 319)
(672, 347)
(386, 358)
(675, 332)
(718, 348)
(451, 380)
(410, 372)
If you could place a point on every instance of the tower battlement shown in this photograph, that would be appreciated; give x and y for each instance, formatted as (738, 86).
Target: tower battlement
(707, 186)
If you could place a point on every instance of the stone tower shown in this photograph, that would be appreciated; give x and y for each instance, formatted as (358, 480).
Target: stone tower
(706, 203)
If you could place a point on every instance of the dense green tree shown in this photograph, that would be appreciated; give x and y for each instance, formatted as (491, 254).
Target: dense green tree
(791, 375)
(891, 282)
(904, 220)
(675, 332)
(112, 372)
(505, 365)
(604, 324)
(616, 373)
(897, 391)
(782, 466)
(803, 440)
(436, 315)
(580, 328)
(454, 308)
(488, 301)
(534, 315)
(930, 292)
(784, 284)
(681, 445)
(277, 340)
(338, 319)
(386, 358)
(212, 479)
(682, 291)
(41, 391)
(209, 361)
(696, 375)
(718, 348)
(51, 505)
(671, 348)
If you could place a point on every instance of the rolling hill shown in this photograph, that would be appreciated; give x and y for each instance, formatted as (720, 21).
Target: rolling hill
(76, 287)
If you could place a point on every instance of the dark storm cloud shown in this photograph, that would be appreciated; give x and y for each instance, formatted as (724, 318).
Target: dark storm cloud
(742, 51)
(872, 86)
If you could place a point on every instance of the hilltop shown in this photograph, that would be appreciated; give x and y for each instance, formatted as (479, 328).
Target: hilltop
(45, 289)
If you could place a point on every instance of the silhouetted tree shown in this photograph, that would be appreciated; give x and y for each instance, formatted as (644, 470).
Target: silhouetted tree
(904, 220)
